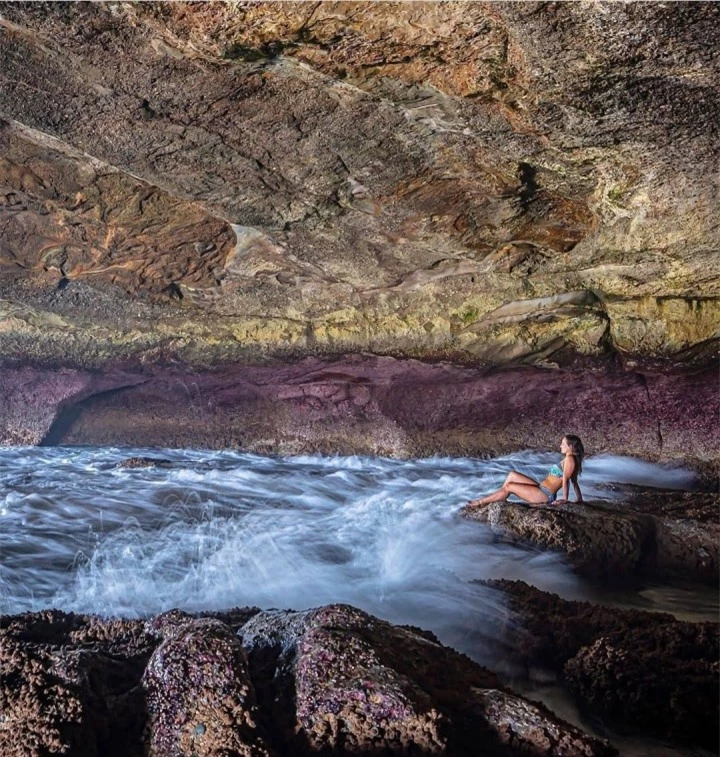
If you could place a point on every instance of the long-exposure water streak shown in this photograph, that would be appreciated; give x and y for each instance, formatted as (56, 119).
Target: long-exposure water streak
(222, 529)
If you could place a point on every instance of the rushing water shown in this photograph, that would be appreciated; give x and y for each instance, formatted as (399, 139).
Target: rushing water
(223, 529)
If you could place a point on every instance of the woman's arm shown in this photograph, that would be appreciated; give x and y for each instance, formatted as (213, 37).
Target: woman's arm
(578, 493)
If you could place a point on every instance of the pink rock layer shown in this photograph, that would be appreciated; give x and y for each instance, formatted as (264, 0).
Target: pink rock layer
(365, 404)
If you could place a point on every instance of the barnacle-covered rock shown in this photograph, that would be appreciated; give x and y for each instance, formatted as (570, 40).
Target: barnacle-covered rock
(614, 541)
(200, 697)
(337, 680)
(661, 679)
(69, 685)
(642, 670)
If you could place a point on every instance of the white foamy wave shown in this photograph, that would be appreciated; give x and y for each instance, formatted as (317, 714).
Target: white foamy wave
(220, 529)
(629, 470)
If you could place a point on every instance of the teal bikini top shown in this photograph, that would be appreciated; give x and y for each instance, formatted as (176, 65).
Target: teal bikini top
(556, 470)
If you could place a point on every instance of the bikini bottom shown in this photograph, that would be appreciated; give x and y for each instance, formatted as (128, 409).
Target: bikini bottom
(550, 495)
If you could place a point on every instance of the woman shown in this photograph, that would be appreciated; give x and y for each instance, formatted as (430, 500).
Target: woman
(558, 477)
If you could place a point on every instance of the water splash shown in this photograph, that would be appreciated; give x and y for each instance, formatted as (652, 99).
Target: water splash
(223, 529)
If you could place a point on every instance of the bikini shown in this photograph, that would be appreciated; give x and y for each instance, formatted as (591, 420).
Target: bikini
(555, 470)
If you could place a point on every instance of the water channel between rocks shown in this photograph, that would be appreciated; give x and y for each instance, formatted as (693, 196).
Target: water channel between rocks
(214, 530)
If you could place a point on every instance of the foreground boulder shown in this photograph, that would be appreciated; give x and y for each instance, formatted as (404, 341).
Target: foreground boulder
(636, 669)
(329, 681)
(614, 541)
(338, 680)
(662, 680)
(200, 698)
(68, 685)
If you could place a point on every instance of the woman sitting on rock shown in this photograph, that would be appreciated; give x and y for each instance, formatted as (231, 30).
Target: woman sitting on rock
(546, 492)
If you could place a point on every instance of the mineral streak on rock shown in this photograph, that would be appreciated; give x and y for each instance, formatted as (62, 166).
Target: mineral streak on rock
(642, 670)
(225, 182)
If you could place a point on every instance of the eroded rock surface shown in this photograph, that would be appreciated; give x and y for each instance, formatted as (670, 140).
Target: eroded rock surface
(200, 698)
(641, 670)
(613, 541)
(211, 184)
(341, 680)
(366, 404)
(332, 680)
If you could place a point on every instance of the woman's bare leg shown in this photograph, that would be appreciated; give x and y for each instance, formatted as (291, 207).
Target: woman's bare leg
(503, 492)
(499, 496)
(519, 478)
(529, 492)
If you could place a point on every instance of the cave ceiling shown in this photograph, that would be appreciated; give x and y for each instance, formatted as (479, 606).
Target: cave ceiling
(489, 182)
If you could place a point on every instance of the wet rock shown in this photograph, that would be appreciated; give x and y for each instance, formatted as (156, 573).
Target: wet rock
(548, 630)
(687, 531)
(661, 680)
(200, 698)
(640, 670)
(599, 542)
(616, 541)
(337, 680)
(687, 549)
(144, 462)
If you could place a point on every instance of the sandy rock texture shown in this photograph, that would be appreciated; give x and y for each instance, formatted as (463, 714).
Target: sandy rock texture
(641, 670)
(676, 535)
(223, 183)
(328, 681)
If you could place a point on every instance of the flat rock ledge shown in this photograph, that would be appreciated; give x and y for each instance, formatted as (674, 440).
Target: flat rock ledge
(328, 681)
(615, 541)
(638, 670)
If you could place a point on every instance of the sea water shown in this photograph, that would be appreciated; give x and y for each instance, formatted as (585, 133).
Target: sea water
(218, 529)
(221, 529)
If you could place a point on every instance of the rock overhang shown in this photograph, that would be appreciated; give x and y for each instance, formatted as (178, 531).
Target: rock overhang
(210, 185)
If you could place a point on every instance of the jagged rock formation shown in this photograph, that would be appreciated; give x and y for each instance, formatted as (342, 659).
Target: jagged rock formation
(207, 184)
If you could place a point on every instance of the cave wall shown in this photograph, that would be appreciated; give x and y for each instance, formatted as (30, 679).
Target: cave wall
(198, 187)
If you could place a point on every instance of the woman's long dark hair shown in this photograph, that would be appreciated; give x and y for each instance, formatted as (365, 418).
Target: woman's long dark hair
(578, 451)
